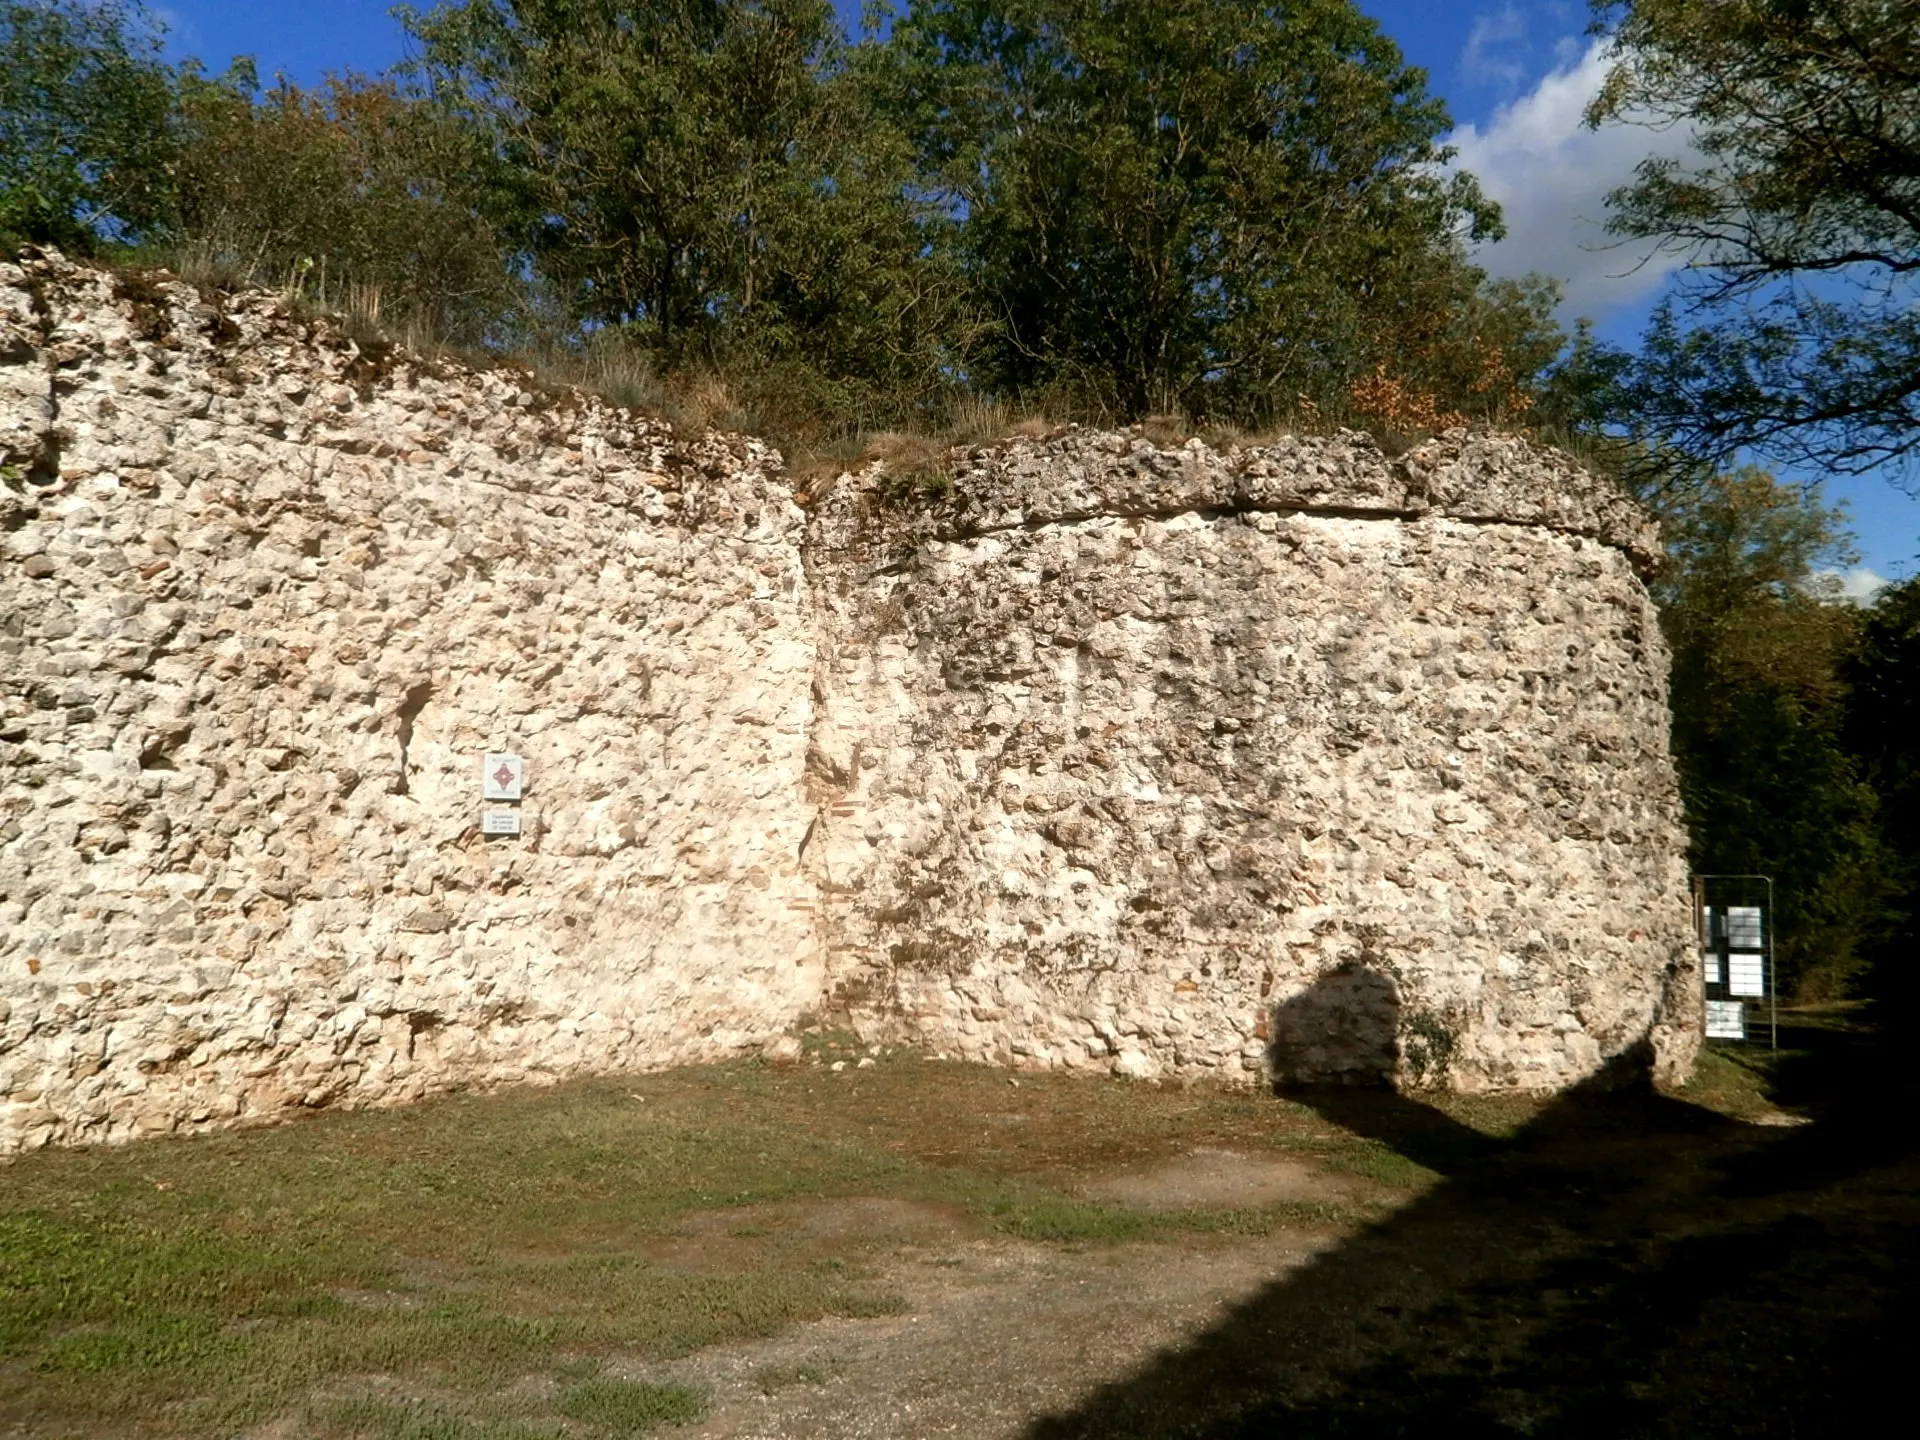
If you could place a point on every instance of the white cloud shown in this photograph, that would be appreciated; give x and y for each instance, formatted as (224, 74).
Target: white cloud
(1859, 584)
(1551, 176)
(1493, 31)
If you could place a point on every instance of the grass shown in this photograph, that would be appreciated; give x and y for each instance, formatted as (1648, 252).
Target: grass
(380, 1419)
(631, 1407)
(1619, 1263)
(772, 1379)
(460, 1247)
(1731, 1080)
(479, 1266)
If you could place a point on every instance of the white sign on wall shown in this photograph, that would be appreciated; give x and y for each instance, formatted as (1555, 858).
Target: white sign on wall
(502, 777)
(499, 822)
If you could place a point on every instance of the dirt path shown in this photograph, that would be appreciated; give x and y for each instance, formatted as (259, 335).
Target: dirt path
(996, 1332)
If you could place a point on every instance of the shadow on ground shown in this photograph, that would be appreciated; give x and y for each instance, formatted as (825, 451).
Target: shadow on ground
(1627, 1265)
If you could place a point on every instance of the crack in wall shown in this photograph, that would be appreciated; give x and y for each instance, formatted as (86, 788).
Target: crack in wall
(410, 708)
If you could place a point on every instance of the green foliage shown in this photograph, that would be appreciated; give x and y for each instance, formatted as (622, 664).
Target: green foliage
(1230, 210)
(353, 195)
(85, 122)
(1801, 216)
(1760, 711)
(1428, 1042)
(1199, 204)
(640, 145)
(1885, 677)
(1884, 730)
(708, 178)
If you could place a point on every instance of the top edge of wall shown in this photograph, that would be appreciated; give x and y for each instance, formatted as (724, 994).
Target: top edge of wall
(63, 308)
(1073, 473)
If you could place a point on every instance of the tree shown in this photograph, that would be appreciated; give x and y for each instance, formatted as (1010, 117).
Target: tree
(1760, 702)
(86, 134)
(1798, 331)
(352, 192)
(1214, 204)
(1886, 706)
(1884, 730)
(637, 142)
(698, 173)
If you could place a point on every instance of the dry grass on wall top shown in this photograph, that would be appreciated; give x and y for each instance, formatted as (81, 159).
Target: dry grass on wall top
(820, 427)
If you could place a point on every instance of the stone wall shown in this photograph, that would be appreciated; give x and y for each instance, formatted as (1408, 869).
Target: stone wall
(1143, 760)
(266, 599)
(1180, 762)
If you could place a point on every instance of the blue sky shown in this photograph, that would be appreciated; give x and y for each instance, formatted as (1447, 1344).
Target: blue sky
(1516, 75)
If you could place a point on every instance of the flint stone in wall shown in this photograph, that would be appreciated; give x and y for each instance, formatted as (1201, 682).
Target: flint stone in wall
(1293, 760)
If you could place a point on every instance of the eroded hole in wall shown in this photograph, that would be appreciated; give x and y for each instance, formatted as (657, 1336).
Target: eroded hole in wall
(43, 470)
(157, 753)
(421, 1022)
(410, 708)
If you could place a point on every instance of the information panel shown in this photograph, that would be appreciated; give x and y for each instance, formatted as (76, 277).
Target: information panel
(1743, 927)
(1726, 1020)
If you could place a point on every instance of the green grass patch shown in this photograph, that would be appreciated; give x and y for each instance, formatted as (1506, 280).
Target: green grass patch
(1735, 1080)
(369, 1418)
(395, 1273)
(631, 1407)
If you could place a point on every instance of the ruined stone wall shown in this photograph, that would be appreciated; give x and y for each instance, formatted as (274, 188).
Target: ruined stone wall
(1116, 757)
(1174, 762)
(263, 604)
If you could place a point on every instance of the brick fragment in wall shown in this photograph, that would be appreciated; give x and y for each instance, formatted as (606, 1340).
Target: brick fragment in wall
(1119, 757)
